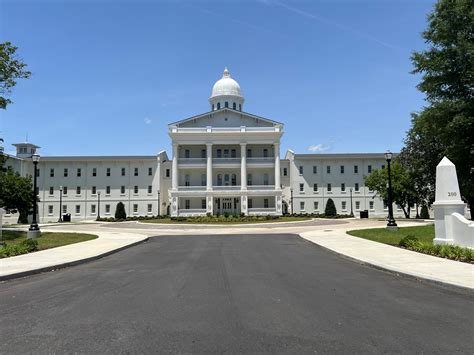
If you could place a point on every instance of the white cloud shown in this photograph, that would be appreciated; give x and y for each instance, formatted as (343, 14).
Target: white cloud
(147, 120)
(318, 148)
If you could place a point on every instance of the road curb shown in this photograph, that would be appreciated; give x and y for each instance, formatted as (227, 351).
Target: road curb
(68, 264)
(433, 281)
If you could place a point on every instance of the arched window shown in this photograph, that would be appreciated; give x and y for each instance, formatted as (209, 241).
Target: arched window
(234, 106)
(234, 180)
(219, 180)
(226, 104)
(226, 179)
(218, 105)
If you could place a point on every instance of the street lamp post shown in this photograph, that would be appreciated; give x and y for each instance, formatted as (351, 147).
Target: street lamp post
(391, 221)
(291, 200)
(158, 211)
(98, 205)
(352, 211)
(34, 230)
(60, 204)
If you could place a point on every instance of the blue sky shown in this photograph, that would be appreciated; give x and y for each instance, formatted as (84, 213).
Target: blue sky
(108, 76)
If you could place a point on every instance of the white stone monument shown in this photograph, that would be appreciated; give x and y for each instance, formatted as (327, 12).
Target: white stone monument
(447, 201)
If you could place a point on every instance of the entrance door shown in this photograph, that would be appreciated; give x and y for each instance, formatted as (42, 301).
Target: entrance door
(227, 205)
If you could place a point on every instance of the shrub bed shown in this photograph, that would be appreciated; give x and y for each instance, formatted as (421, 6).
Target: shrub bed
(26, 246)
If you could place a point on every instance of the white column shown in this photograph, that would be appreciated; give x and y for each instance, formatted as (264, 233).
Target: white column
(174, 172)
(209, 166)
(277, 166)
(243, 166)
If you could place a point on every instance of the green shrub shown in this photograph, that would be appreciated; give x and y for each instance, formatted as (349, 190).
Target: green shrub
(330, 210)
(120, 212)
(408, 240)
(26, 246)
(29, 245)
(424, 214)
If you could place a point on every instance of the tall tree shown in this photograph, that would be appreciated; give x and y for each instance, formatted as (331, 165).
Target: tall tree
(11, 69)
(445, 127)
(15, 194)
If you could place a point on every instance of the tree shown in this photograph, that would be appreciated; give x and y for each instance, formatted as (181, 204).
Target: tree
(424, 212)
(11, 69)
(330, 210)
(120, 211)
(404, 191)
(15, 194)
(445, 127)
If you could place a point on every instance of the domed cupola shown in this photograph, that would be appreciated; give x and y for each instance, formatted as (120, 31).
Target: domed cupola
(226, 93)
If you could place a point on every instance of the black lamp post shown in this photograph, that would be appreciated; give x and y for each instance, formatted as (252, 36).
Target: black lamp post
(158, 211)
(291, 200)
(34, 229)
(60, 204)
(352, 211)
(98, 205)
(391, 221)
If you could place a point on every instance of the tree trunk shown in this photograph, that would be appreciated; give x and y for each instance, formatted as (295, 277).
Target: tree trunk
(23, 217)
(417, 212)
(407, 215)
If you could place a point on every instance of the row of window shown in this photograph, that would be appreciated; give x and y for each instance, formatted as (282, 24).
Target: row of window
(343, 205)
(341, 169)
(225, 153)
(329, 187)
(187, 204)
(226, 104)
(94, 190)
(94, 172)
(226, 179)
(94, 209)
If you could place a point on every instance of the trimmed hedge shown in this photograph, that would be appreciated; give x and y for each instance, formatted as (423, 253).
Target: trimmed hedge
(120, 213)
(447, 251)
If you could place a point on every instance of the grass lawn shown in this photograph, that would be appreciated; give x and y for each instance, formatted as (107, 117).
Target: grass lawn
(47, 240)
(226, 220)
(423, 233)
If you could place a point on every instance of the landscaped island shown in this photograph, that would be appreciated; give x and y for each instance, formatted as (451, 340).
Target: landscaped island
(17, 244)
(419, 239)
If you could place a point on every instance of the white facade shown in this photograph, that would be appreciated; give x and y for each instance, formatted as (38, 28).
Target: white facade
(223, 161)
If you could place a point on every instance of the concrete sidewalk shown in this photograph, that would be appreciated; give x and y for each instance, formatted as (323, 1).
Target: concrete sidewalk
(394, 259)
(55, 258)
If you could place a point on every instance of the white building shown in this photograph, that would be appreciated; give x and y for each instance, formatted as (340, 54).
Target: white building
(223, 161)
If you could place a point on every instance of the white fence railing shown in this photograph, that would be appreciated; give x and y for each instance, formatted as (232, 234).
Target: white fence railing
(261, 187)
(191, 188)
(222, 188)
(191, 161)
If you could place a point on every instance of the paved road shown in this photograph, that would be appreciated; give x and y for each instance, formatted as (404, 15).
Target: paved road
(239, 293)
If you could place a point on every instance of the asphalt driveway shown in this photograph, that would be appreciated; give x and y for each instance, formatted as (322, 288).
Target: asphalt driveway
(235, 293)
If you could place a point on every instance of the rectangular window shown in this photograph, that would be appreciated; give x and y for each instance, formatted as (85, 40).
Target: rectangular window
(167, 173)
(315, 169)
(249, 153)
(78, 209)
(122, 190)
(92, 209)
(249, 179)
(316, 205)
(329, 188)
(203, 179)
(219, 153)
(135, 189)
(108, 172)
(344, 205)
(50, 209)
(343, 187)
(149, 208)
(315, 187)
(94, 190)
(301, 187)
(265, 153)
(51, 172)
(342, 169)
(265, 203)
(203, 204)
(250, 203)
(94, 171)
(78, 190)
(265, 179)
(302, 206)
(186, 153)
(371, 205)
(107, 190)
(135, 172)
(79, 172)
(301, 170)
(187, 204)
(369, 168)
(64, 208)
(135, 208)
(233, 153)
(107, 209)
(51, 190)
(285, 172)
(64, 190)
(150, 189)
(356, 187)
(203, 153)
(356, 169)
(123, 171)
(357, 205)
(66, 172)
(150, 171)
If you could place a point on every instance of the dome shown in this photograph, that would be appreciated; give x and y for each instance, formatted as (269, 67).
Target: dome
(226, 86)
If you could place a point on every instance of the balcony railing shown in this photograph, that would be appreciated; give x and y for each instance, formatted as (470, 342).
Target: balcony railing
(222, 188)
(210, 129)
(261, 187)
(191, 188)
(258, 160)
(226, 160)
(184, 161)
